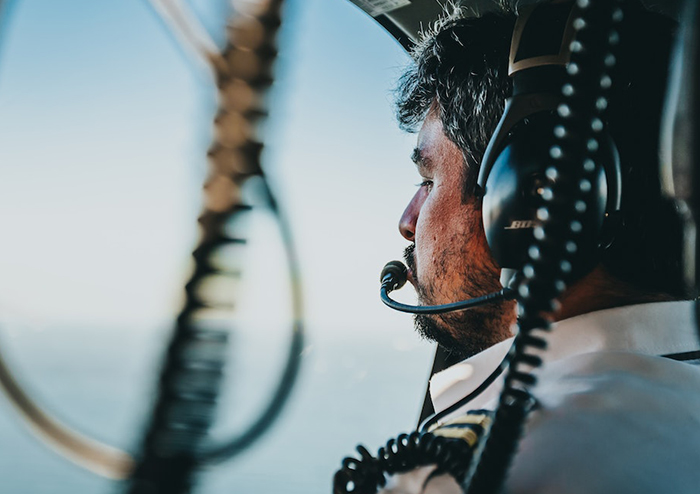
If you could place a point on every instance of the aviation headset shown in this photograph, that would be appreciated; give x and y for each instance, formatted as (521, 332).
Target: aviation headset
(515, 176)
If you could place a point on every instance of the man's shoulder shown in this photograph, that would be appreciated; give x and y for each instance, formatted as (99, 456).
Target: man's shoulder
(612, 422)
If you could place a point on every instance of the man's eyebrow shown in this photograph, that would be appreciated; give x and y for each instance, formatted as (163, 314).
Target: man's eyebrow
(421, 161)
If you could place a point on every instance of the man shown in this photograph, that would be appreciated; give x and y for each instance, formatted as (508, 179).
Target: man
(457, 91)
(616, 411)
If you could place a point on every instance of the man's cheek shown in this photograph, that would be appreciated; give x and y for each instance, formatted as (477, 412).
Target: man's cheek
(423, 274)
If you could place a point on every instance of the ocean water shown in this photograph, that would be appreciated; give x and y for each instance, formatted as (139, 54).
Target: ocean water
(355, 387)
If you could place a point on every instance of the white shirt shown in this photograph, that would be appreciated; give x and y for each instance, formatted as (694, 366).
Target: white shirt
(614, 416)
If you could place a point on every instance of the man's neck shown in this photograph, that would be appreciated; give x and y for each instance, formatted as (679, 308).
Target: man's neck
(599, 290)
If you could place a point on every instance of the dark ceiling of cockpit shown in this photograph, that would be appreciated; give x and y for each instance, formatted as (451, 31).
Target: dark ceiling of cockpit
(411, 16)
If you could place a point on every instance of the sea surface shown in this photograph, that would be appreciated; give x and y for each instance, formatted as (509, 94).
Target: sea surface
(356, 386)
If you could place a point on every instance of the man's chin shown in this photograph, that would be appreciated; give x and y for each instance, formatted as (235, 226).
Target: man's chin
(463, 334)
(427, 328)
(431, 329)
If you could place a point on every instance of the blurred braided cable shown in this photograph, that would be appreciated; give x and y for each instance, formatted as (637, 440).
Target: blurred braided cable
(175, 443)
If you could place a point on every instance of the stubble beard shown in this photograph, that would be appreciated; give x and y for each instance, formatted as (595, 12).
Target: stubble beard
(462, 333)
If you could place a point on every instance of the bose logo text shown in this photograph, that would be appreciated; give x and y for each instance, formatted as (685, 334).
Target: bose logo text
(519, 224)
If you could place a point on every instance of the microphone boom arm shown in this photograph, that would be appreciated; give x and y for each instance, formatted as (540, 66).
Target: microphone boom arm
(388, 284)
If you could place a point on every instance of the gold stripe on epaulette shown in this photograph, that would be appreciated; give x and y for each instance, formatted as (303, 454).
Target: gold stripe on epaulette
(481, 419)
(467, 435)
(468, 427)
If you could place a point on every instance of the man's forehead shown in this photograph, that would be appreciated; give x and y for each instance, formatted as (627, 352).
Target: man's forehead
(431, 127)
(429, 137)
(421, 160)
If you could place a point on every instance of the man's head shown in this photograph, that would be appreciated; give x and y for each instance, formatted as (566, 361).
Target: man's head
(455, 94)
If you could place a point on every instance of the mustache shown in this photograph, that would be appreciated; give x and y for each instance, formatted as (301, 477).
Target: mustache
(410, 258)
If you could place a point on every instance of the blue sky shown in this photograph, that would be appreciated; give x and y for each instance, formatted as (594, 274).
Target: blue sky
(104, 122)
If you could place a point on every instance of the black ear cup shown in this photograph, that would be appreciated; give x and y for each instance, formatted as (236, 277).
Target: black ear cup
(518, 175)
(519, 182)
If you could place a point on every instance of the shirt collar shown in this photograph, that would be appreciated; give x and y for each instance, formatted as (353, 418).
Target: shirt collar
(661, 328)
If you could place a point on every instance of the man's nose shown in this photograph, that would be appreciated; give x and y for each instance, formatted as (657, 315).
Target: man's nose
(409, 218)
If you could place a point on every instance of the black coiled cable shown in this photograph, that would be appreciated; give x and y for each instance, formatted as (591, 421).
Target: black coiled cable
(557, 240)
(366, 474)
(552, 260)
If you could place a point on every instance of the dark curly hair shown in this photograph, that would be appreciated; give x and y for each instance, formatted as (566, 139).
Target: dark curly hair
(461, 65)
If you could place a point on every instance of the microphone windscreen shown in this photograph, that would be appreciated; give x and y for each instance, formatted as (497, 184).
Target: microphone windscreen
(398, 272)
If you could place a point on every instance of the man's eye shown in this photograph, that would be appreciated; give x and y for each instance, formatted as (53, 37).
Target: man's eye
(425, 183)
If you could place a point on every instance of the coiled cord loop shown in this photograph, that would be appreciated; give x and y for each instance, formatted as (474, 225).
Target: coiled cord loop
(447, 447)
(562, 233)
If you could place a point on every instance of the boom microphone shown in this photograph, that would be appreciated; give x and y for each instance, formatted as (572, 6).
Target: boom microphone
(394, 276)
